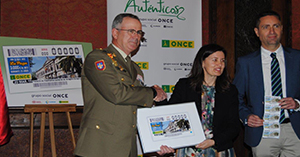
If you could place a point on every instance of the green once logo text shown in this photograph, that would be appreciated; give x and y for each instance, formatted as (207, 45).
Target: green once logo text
(168, 88)
(177, 44)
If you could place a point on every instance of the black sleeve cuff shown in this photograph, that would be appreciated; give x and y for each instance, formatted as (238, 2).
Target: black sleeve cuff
(154, 92)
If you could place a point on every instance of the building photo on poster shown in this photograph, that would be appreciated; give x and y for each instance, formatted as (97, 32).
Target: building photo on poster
(44, 73)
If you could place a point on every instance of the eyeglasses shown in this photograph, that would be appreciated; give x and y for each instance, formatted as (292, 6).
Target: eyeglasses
(133, 32)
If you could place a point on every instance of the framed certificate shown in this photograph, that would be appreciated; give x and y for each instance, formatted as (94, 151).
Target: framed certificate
(176, 125)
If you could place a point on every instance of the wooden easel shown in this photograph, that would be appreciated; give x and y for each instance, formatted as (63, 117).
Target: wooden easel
(50, 108)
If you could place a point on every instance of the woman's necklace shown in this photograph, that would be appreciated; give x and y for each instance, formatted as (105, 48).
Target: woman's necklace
(209, 84)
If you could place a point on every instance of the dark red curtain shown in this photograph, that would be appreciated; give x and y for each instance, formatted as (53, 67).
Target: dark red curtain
(71, 20)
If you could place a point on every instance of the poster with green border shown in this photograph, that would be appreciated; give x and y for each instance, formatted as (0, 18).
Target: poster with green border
(40, 71)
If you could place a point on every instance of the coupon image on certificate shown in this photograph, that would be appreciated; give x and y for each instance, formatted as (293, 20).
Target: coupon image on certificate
(170, 126)
(175, 125)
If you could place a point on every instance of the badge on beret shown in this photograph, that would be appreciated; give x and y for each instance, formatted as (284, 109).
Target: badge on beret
(100, 65)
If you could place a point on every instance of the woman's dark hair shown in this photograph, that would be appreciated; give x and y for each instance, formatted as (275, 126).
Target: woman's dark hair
(197, 75)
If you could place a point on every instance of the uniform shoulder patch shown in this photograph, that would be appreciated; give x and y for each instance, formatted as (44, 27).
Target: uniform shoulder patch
(100, 65)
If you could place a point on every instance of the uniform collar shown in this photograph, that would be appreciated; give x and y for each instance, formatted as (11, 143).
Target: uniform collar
(123, 54)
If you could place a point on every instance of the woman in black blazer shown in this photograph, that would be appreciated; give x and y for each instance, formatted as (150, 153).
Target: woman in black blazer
(208, 85)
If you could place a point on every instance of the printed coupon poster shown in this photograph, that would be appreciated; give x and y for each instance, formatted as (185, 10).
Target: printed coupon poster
(43, 74)
(168, 126)
(271, 117)
(175, 125)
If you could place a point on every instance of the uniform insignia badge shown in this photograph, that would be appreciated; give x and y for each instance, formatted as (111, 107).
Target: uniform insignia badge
(140, 78)
(114, 62)
(100, 65)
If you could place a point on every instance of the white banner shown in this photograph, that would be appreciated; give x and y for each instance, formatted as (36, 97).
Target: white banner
(173, 37)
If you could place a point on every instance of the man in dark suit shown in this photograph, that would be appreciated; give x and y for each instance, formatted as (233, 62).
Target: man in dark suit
(113, 89)
(253, 81)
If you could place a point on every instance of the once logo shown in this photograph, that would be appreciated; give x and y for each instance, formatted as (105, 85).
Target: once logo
(143, 65)
(168, 88)
(60, 95)
(177, 44)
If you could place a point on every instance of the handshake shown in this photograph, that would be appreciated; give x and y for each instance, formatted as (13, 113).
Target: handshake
(160, 94)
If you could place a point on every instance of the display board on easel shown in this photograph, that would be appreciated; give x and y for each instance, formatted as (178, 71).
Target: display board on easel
(38, 71)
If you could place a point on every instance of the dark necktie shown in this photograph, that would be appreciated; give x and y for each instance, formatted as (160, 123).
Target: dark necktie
(128, 59)
(276, 82)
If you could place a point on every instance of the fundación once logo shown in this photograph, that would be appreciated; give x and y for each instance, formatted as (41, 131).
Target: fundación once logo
(177, 44)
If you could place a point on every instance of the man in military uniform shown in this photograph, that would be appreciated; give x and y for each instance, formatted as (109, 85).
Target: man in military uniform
(113, 88)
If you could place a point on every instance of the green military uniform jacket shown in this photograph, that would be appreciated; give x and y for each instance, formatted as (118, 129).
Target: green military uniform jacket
(112, 91)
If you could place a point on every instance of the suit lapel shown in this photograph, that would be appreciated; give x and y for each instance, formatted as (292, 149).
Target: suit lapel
(288, 59)
(257, 75)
